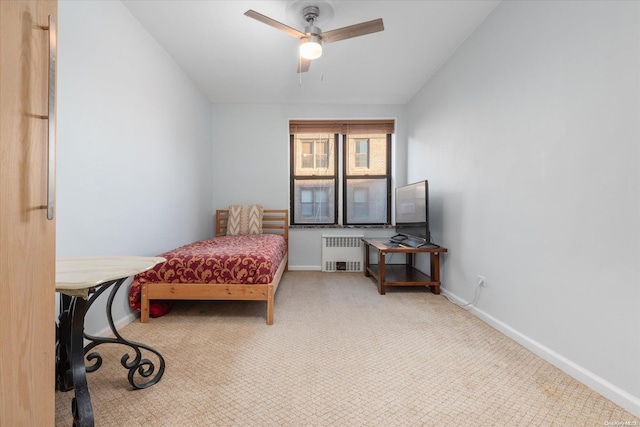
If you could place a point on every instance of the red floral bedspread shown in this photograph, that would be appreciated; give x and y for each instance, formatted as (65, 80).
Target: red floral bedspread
(250, 259)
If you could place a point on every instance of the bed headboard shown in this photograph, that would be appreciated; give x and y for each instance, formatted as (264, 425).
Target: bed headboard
(274, 221)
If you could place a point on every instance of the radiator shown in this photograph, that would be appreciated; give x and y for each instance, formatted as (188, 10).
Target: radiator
(342, 253)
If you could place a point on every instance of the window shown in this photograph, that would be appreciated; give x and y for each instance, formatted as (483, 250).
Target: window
(314, 202)
(340, 172)
(367, 178)
(314, 178)
(315, 153)
(361, 201)
(362, 153)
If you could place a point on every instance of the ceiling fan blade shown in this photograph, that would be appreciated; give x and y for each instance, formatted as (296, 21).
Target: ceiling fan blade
(303, 65)
(353, 31)
(275, 24)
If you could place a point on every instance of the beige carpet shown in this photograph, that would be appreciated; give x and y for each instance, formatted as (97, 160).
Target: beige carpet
(339, 354)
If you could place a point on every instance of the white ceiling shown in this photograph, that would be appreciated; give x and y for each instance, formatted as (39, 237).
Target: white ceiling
(236, 59)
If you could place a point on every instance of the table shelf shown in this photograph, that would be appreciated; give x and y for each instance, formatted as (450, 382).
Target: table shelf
(402, 274)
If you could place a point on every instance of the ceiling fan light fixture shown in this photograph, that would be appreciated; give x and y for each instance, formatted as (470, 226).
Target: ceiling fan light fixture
(312, 37)
(311, 47)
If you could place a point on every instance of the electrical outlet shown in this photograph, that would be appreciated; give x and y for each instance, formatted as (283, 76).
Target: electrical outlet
(482, 281)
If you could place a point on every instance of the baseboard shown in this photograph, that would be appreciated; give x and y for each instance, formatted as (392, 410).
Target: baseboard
(305, 268)
(319, 268)
(586, 377)
(119, 324)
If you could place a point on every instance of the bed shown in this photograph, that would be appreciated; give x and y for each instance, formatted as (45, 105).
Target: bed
(226, 267)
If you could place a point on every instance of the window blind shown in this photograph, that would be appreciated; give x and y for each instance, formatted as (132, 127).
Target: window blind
(344, 127)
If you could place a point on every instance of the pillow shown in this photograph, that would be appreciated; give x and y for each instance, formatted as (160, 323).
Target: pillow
(244, 219)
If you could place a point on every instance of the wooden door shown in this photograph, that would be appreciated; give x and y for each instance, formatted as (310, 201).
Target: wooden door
(27, 237)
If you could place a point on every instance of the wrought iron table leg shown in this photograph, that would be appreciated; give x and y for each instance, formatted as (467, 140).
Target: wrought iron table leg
(143, 367)
(81, 403)
(64, 380)
(70, 370)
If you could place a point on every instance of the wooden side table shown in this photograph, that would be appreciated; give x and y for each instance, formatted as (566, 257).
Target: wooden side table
(401, 274)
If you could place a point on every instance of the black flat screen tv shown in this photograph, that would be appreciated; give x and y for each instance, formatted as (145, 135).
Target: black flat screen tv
(412, 211)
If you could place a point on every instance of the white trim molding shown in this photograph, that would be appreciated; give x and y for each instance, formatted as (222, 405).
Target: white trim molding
(586, 377)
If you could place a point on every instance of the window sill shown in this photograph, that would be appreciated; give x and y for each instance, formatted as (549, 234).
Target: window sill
(334, 226)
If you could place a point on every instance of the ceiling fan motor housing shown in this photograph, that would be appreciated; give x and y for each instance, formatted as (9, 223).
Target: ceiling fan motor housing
(312, 30)
(311, 13)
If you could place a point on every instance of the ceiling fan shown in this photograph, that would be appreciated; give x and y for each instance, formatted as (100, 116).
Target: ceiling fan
(312, 37)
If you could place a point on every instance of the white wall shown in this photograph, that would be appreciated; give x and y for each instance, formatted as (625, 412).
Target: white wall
(134, 170)
(531, 141)
(251, 161)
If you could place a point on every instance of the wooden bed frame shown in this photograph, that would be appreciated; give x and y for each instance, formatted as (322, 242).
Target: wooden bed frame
(274, 221)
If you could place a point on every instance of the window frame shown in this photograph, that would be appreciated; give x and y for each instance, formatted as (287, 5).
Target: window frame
(293, 178)
(345, 178)
(340, 129)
